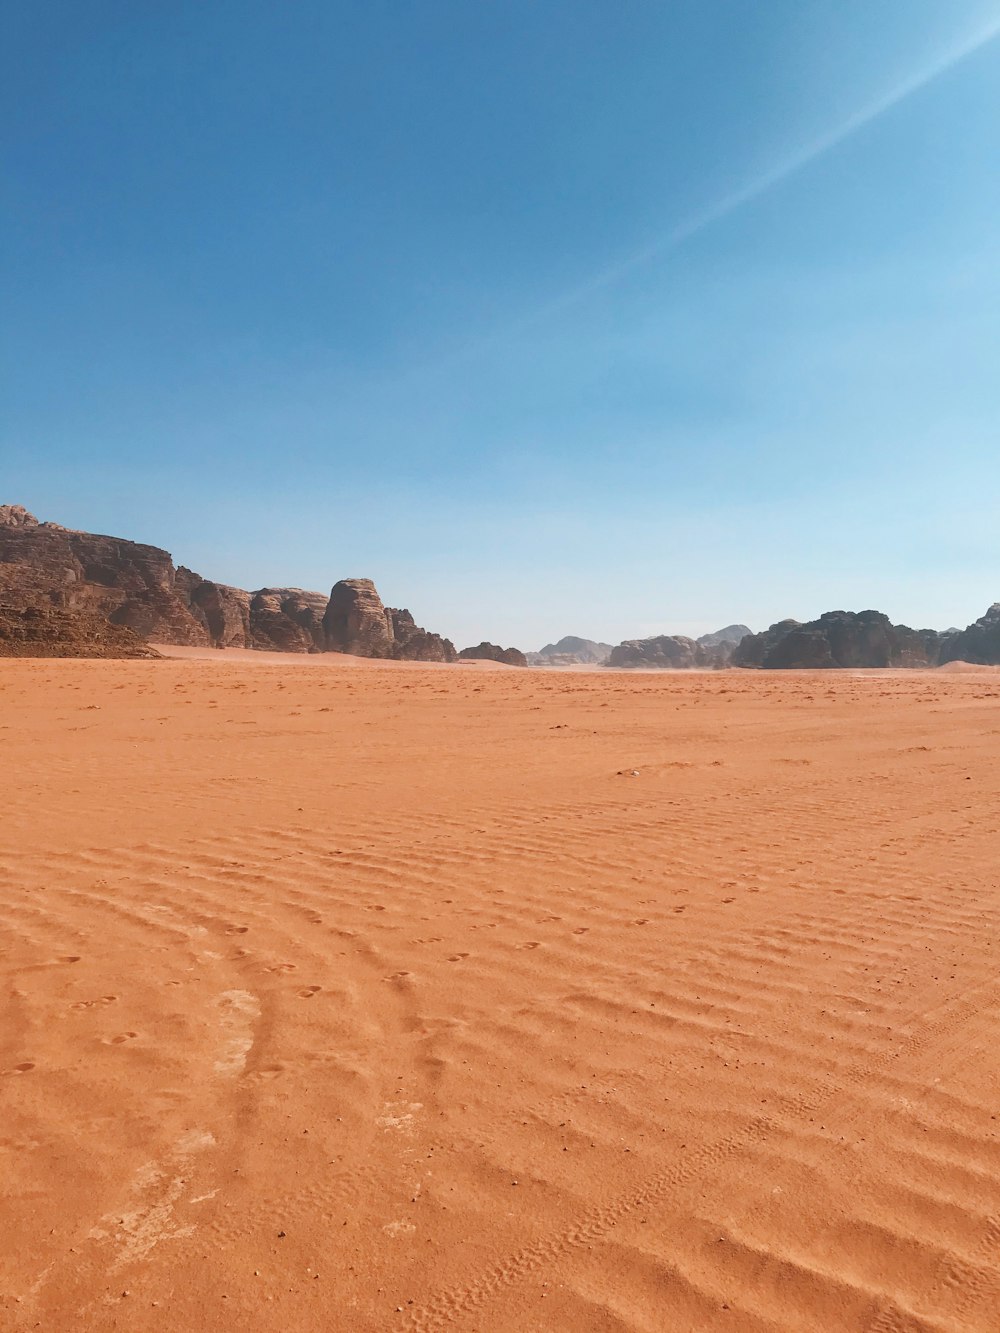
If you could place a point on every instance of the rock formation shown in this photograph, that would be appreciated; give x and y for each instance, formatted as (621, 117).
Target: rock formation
(355, 620)
(666, 651)
(732, 634)
(676, 652)
(52, 631)
(980, 642)
(492, 652)
(413, 644)
(95, 578)
(288, 620)
(839, 639)
(570, 651)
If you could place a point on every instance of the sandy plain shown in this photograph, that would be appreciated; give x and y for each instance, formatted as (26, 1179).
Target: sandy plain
(366, 997)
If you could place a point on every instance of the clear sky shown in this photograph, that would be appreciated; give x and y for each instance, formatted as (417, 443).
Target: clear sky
(552, 316)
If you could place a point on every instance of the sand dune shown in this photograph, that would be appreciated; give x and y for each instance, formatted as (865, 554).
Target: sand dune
(403, 998)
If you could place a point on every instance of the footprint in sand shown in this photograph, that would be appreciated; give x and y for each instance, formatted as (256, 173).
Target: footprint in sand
(581, 930)
(89, 1004)
(308, 992)
(122, 1037)
(24, 1067)
(456, 957)
(69, 958)
(268, 1072)
(237, 930)
(532, 944)
(281, 967)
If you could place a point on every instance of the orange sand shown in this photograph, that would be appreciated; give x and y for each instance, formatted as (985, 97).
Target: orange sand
(382, 999)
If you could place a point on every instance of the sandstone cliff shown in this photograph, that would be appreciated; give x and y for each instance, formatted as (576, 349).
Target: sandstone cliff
(91, 579)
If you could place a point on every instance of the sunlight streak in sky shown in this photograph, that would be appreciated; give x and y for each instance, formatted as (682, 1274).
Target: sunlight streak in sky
(732, 202)
(782, 170)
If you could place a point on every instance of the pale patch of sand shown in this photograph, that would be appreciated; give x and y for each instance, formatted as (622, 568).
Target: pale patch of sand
(959, 667)
(413, 998)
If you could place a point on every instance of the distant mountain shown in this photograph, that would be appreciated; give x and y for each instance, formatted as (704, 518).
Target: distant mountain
(492, 652)
(731, 634)
(841, 639)
(672, 652)
(676, 652)
(570, 650)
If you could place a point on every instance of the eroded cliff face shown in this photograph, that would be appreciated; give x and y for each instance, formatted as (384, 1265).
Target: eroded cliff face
(95, 578)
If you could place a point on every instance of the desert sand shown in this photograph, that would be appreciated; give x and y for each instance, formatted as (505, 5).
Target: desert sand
(372, 997)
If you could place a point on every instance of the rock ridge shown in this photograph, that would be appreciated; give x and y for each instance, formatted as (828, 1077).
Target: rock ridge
(90, 579)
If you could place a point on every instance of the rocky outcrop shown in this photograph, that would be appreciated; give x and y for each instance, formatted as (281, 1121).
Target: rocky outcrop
(355, 620)
(732, 635)
(52, 631)
(673, 652)
(752, 650)
(16, 516)
(676, 652)
(138, 588)
(979, 643)
(839, 639)
(130, 584)
(492, 652)
(570, 651)
(288, 620)
(410, 643)
(222, 611)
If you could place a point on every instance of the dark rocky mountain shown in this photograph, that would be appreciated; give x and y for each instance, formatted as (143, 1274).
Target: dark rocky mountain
(492, 652)
(91, 579)
(979, 643)
(839, 639)
(731, 634)
(569, 651)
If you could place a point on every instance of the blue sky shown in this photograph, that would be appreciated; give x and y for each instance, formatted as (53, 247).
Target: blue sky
(551, 317)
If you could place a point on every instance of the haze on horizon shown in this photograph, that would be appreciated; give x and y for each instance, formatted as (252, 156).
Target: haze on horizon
(550, 318)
